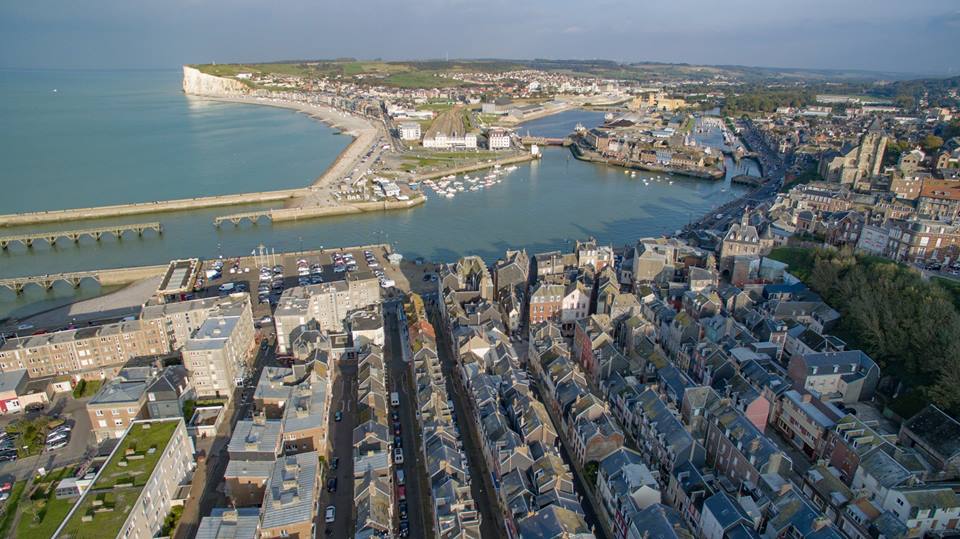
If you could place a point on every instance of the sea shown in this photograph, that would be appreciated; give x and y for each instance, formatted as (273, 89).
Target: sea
(85, 138)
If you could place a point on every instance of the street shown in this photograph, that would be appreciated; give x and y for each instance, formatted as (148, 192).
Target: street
(343, 399)
(419, 501)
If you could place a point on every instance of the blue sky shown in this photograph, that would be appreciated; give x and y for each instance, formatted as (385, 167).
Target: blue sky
(918, 36)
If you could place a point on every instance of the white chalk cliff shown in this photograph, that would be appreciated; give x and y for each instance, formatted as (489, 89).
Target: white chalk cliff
(198, 83)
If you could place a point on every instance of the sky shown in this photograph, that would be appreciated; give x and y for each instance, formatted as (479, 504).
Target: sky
(916, 36)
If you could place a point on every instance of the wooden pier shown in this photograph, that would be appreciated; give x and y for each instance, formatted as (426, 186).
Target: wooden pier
(74, 235)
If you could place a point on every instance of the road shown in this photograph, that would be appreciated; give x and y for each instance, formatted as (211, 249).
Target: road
(419, 504)
(343, 399)
(484, 495)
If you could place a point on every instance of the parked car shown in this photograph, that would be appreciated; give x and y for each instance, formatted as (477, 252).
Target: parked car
(332, 485)
(335, 463)
(331, 514)
(338, 417)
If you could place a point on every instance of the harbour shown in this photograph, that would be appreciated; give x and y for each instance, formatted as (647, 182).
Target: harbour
(528, 208)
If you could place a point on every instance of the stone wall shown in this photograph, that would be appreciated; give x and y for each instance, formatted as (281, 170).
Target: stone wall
(197, 83)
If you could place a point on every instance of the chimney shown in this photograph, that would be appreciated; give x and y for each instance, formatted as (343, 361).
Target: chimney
(806, 397)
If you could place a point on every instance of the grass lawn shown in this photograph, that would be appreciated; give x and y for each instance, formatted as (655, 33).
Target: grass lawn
(87, 388)
(107, 504)
(420, 79)
(140, 440)
(799, 260)
(40, 518)
(10, 507)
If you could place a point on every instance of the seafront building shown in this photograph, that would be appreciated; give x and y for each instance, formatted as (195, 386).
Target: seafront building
(216, 354)
(92, 352)
(134, 491)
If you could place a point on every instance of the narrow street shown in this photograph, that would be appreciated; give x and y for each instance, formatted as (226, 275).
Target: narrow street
(484, 494)
(344, 400)
(419, 500)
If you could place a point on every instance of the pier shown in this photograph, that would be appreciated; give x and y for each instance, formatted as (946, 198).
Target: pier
(141, 208)
(314, 212)
(74, 235)
(105, 277)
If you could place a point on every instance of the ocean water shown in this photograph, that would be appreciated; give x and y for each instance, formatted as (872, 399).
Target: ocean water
(544, 205)
(89, 138)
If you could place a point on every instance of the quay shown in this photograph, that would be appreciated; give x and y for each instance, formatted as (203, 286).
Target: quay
(140, 208)
(299, 213)
(104, 277)
(74, 235)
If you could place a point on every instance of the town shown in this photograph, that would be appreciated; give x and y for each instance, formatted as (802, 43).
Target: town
(784, 366)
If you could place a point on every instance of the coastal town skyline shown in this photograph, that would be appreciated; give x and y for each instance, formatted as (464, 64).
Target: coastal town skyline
(249, 297)
(886, 36)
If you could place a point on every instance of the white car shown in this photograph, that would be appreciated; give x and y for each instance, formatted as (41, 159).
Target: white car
(398, 456)
(331, 514)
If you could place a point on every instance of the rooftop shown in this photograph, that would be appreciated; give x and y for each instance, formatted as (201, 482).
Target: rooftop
(290, 493)
(119, 486)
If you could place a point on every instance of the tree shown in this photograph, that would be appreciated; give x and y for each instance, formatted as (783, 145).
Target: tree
(931, 143)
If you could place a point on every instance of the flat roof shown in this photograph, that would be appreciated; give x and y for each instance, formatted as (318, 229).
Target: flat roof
(290, 494)
(180, 276)
(141, 439)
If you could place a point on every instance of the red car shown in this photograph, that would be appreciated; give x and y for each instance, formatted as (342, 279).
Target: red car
(402, 493)
(6, 487)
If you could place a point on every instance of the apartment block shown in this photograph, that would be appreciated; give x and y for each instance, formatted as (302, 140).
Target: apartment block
(216, 354)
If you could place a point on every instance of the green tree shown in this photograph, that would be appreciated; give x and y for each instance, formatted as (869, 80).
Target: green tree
(931, 143)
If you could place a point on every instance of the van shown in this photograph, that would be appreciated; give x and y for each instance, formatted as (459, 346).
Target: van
(226, 287)
(395, 399)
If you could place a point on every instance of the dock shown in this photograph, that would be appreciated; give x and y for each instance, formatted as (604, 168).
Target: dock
(142, 208)
(52, 238)
(105, 277)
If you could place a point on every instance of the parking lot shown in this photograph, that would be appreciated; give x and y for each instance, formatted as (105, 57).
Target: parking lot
(79, 440)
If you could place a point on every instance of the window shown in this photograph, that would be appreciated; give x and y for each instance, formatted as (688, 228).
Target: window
(99, 413)
(115, 411)
(118, 422)
(103, 424)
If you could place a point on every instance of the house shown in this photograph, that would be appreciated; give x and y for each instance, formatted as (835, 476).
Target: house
(806, 421)
(625, 485)
(738, 449)
(687, 490)
(937, 436)
(12, 385)
(657, 521)
(849, 440)
(291, 496)
(230, 524)
(927, 508)
(119, 402)
(168, 392)
(846, 376)
(553, 522)
(257, 439)
(245, 481)
(409, 131)
(721, 515)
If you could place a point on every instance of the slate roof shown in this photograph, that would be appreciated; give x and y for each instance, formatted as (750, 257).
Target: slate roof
(242, 523)
(937, 430)
(289, 496)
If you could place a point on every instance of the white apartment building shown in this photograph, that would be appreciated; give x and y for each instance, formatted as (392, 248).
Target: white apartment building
(217, 352)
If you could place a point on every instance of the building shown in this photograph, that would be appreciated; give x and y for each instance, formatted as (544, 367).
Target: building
(92, 352)
(853, 163)
(546, 302)
(159, 455)
(12, 385)
(305, 419)
(119, 402)
(937, 436)
(498, 139)
(168, 392)
(939, 200)
(847, 376)
(327, 304)
(245, 481)
(806, 422)
(256, 439)
(230, 524)
(180, 320)
(291, 498)
(409, 131)
(216, 355)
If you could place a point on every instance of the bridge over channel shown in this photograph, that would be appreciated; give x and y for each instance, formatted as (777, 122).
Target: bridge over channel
(104, 277)
(544, 141)
(74, 235)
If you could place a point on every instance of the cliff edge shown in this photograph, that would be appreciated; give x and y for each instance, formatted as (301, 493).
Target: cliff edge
(197, 83)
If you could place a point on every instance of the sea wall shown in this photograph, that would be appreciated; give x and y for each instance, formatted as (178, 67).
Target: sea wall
(198, 83)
